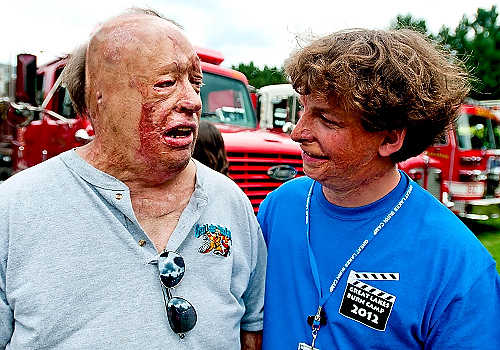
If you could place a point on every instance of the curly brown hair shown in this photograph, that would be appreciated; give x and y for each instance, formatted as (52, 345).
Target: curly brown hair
(396, 79)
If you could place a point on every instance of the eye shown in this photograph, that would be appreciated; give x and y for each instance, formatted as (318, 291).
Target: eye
(324, 119)
(197, 84)
(328, 122)
(164, 84)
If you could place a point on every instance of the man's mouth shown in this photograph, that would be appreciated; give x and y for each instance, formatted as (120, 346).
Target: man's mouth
(179, 136)
(179, 132)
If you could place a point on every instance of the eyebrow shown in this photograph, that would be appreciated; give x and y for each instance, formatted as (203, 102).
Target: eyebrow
(178, 67)
(171, 67)
(319, 109)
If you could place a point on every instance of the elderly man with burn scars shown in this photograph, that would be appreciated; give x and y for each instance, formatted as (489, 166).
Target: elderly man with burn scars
(360, 256)
(100, 246)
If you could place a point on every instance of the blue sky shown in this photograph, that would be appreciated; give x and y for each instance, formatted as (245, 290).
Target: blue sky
(262, 31)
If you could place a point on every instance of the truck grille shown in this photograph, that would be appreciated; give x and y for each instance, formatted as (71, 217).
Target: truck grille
(249, 171)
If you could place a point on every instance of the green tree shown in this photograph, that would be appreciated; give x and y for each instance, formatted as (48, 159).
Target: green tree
(261, 77)
(476, 41)
(407, 21)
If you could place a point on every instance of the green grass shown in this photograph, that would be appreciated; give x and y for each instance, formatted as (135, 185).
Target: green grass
(489, 234)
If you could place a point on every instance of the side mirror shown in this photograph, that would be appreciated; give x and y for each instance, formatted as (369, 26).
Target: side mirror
(16, 114)
(288, 127)
(21, 114)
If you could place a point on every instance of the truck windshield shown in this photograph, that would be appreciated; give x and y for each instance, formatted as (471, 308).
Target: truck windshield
(285, 109)
(226, 100)
(476, 132)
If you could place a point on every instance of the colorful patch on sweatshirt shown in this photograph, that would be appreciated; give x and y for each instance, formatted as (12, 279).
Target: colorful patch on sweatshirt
(216, 239)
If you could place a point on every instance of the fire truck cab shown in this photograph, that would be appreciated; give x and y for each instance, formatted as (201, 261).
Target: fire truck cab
(41, 123)
(463, 169)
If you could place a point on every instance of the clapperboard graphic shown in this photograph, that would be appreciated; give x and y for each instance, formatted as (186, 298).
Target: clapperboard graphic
(366, 304)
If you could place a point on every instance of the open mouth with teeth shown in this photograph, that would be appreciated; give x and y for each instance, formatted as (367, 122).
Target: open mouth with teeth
(180, 136)
(182, 131)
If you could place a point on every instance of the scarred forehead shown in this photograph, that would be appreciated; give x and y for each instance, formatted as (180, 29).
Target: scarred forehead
(138, 42)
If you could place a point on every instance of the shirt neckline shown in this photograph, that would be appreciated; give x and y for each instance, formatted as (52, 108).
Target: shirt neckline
(376, 208)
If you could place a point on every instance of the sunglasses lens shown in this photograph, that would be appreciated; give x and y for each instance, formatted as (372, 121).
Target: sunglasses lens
(181, 315)
(171, 266)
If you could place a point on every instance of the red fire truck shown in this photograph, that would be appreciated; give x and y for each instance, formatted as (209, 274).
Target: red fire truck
(41, 123)
(463, 169)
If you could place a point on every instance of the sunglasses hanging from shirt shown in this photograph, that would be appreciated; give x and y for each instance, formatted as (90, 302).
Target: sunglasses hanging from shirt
(181, 314)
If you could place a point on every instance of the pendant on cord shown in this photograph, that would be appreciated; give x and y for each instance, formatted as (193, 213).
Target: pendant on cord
(322, 318)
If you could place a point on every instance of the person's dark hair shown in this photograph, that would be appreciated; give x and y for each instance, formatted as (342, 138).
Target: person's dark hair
(396, 79)
(74, 71)
(209, 148)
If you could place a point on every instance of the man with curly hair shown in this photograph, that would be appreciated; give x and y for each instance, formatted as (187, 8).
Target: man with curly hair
(359, 256)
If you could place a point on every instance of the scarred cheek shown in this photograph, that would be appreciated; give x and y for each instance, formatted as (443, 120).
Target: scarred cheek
(132, 83)
(151, 126)
(146, 128)
(154, 112)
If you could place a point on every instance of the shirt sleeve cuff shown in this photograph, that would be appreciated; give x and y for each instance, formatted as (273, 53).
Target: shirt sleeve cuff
(252, 327)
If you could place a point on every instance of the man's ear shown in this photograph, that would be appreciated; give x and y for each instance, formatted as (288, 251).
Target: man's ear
(392, 142)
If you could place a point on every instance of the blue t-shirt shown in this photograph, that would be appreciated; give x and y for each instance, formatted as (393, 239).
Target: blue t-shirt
(423, 282)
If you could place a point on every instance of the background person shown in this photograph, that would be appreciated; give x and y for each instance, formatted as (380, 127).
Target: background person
(209, 148)
(360, 256)
(80, 234)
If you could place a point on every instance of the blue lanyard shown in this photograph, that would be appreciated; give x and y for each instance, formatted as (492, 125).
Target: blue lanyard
(312, 260)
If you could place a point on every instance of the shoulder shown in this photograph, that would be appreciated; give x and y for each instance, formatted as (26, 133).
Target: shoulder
(291, 190)
(224, 196)
(26, 198)
(290, 193)
(297, 184)
(31, 181)
(445, 235)
(284, 203)
(215, 183)
(433, 214)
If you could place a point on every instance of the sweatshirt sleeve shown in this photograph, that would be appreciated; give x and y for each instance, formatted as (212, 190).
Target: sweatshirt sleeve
(254, 295)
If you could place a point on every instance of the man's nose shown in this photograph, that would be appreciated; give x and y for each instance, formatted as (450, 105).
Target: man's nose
(189, 100)
(302, 131)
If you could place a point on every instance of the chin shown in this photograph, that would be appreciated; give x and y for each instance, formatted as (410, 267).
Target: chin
(179, 162)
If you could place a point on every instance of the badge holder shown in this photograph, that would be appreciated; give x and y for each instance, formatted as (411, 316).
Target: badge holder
(304, 346)
(315, 323)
